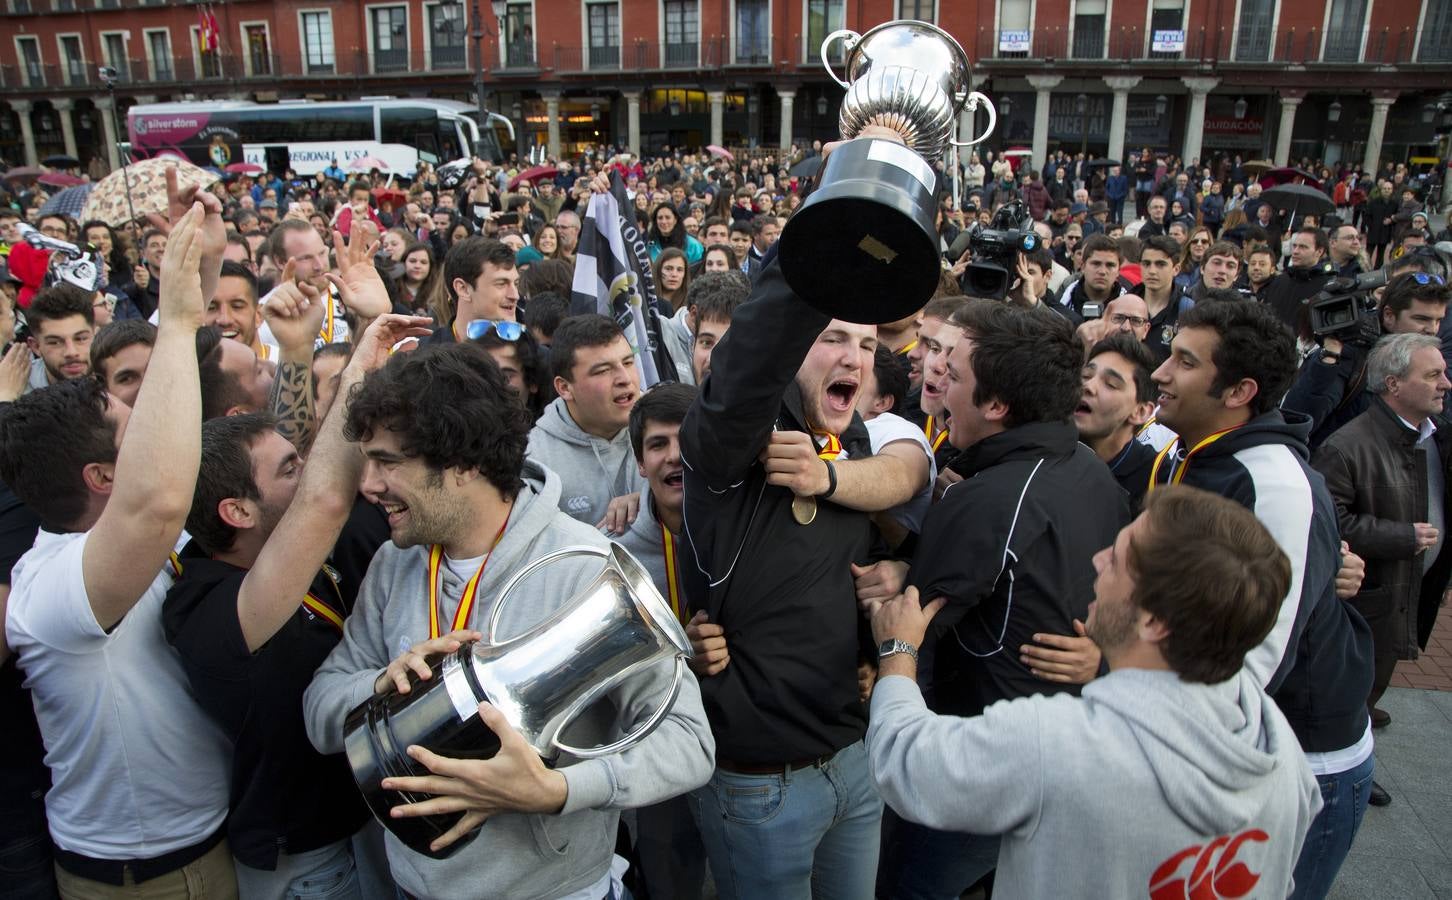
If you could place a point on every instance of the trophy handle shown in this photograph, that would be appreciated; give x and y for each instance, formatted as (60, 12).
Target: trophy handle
(645, 728)
(524, 573)
(850, 39)
(976, 99)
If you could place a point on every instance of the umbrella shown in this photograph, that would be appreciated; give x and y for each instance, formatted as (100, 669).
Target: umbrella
(1101, 164)
(388, 195)
(1257, 166)
(1288, 175)
(138, 190)
(717, 150)
(245, 168)
(24, 174)
(61, 161)
(1301, 199)
(69, 202)
(533, 174)
(807, 167)
(367, 164)
(60, 180)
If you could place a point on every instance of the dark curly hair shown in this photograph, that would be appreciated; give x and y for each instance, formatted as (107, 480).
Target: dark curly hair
(450, 406)
(1253, 344)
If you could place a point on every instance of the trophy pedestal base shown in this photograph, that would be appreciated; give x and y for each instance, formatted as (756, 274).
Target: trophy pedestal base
(864, 246)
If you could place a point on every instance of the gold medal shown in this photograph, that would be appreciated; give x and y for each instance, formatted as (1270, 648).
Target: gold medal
(804, 509)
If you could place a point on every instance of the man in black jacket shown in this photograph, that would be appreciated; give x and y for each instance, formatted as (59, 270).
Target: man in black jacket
(1331, 386)
(1006, 546)
(1229, 365)
(775, 516)
(1387, 472)
(1303, 279)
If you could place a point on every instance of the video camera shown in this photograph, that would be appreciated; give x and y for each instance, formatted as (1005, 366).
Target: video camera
(1346, 310)
(995, 251)
(80, 266)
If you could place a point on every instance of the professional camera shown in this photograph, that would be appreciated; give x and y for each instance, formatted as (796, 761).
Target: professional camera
(1346, 310)
(995, 251)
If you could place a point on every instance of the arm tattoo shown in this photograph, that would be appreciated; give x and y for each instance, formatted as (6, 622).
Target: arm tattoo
(291, 400)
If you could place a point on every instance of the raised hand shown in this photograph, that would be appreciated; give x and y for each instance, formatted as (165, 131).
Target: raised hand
(360, 287)
(294, 311)
(212, 234)
(180, 303)
(14, 372)
(371, 350)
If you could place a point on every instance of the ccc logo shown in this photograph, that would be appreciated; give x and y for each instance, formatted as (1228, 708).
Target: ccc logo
(1214, 872)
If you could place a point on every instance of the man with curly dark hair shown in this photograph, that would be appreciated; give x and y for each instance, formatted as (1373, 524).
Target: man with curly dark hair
(443, 440)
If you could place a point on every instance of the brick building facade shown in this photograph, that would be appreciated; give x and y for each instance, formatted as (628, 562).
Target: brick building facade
(1333, 79)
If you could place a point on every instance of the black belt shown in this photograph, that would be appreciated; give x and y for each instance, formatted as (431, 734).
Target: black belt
(114, 871)
(781, 768)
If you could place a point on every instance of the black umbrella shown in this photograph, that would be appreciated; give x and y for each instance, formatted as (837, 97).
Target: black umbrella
(807, 167)
(61, 161)
(1101, 163)
(1299, 198)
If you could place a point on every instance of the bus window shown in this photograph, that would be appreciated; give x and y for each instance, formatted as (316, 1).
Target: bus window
(449, 144)
(303, 124)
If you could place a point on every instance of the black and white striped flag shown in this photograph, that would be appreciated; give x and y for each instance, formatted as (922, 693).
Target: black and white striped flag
(613, 278)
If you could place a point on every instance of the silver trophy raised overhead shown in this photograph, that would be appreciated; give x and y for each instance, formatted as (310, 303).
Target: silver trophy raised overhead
(864, 246)
(541, 681)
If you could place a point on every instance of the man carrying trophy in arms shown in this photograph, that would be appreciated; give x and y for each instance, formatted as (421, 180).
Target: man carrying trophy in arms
(486, 816)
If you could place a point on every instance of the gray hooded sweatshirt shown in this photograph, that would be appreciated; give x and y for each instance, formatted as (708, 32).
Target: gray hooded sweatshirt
(516, 856)
(592, 470)
(1120, 793)
(679, 343)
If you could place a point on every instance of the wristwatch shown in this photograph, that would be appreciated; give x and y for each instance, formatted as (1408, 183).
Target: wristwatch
(896, 645)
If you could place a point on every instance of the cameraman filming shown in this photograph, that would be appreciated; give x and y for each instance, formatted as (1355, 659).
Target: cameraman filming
(1331, 386)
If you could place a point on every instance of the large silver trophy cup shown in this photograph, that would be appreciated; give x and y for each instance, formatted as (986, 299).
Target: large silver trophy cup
(864, 246)
(541, 680)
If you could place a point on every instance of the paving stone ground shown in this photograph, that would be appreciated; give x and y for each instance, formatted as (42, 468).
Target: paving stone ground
(1433, 669)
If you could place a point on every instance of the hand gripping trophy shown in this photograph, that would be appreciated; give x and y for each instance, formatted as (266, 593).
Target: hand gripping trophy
(864, 245)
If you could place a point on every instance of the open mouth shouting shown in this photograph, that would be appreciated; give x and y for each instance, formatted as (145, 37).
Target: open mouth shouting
(841, 394)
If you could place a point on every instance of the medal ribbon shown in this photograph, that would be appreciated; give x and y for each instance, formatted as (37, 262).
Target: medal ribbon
(832, 448)
(673, 581)
(176, 564)
(928, 428)
(328, 325)
(907, 349)
(1179, 473)
(466, 602)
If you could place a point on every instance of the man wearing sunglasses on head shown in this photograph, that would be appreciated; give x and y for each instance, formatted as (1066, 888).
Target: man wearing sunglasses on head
(481, 284)
(1331, 386)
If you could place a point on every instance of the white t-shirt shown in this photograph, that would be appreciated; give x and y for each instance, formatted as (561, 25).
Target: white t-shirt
(887, 428)
(138, 769)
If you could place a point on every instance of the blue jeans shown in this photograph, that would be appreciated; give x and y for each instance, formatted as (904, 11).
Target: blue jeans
(808, 834)
(922, 863)
(327, 873)
(1343, 799)
(27, 871)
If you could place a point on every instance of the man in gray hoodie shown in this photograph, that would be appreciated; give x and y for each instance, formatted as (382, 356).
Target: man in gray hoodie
(582, 436)
(443, 442)
(1172, 774)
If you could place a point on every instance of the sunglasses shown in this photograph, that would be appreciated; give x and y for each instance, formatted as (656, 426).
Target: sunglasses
(1424, 279)
(507, 330)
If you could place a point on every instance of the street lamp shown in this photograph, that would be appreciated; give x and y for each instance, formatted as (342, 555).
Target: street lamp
(499, 8)
(1333, 112)
(1162, 103)
(821, 105)
(1081, 103)
(1241, 107)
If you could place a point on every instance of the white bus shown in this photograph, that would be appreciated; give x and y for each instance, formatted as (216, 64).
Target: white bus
(306, 136)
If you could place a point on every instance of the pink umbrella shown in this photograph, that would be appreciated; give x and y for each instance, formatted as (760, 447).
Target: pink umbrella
(717, 150)
(367, 164)
(1289, 175)
(60, 180)
(245, 168)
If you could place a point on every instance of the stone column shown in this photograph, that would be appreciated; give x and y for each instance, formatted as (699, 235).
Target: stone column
(27, 131)
(788, 97)
(1119, 112)
(1044, 86)
(718, 112)
(104, 105)
(632, 121)
(63, 107)
(1289, 102)
(1381, 104)
(1195, 123)
(552, 121)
